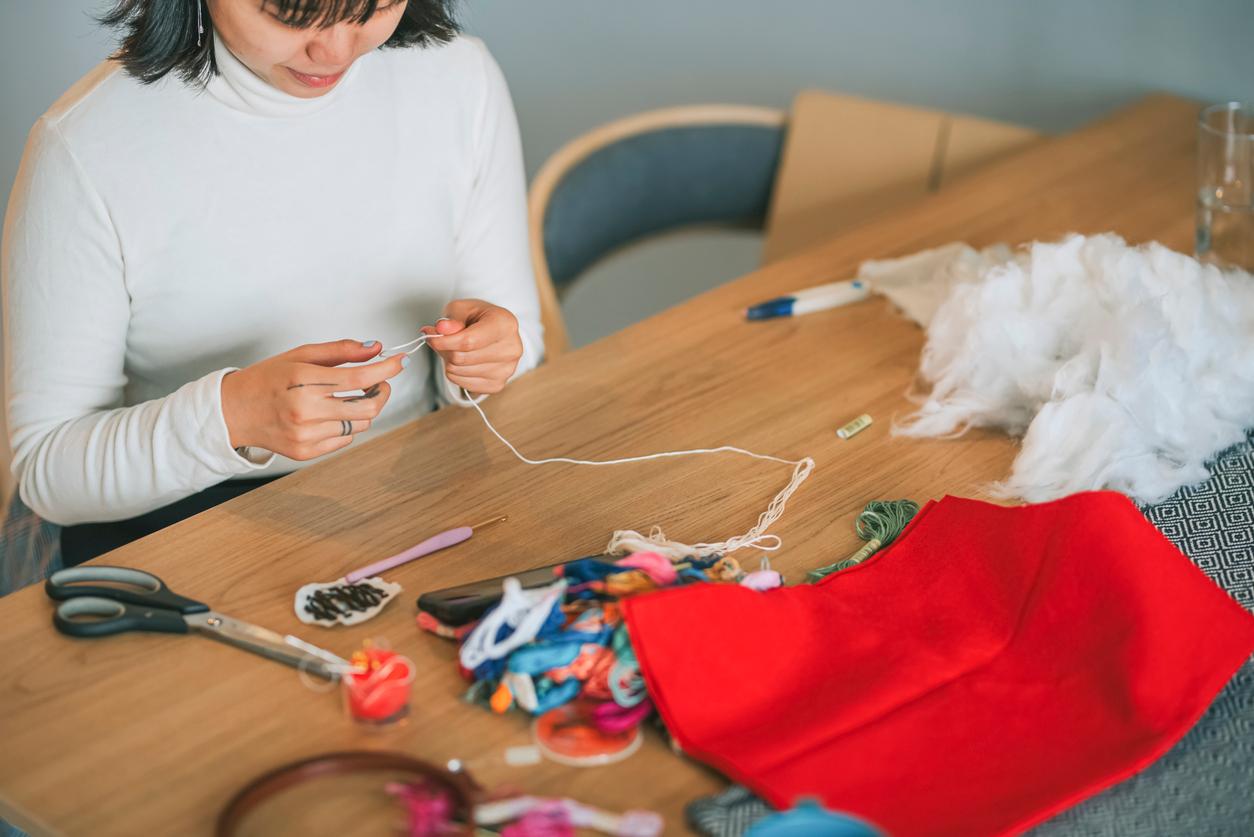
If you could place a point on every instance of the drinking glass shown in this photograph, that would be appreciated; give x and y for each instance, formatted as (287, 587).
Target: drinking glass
(1225, 179)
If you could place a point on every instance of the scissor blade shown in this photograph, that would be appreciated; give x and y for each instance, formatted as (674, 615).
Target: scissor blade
(261, 641)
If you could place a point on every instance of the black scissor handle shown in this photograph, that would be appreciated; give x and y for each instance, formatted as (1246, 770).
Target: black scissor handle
(145, 589)
(115, 618)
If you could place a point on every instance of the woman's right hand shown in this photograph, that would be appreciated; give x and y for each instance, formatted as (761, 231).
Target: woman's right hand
(286, 404)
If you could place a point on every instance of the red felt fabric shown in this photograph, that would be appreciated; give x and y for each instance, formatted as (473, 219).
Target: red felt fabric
(991, 668)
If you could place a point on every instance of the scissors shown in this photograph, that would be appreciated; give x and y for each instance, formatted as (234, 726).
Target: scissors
(139, 601)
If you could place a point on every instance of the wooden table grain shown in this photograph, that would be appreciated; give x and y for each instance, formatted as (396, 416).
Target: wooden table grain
(152, 734)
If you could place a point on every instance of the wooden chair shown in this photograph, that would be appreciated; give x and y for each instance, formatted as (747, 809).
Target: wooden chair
(643, 175)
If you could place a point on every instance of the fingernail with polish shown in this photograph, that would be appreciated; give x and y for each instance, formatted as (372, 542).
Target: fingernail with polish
(404, 361)
(369, 344)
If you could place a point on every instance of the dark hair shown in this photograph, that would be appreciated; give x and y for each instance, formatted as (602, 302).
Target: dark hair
(159, 36)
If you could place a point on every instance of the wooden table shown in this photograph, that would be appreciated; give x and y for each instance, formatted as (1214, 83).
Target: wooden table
(152, 734)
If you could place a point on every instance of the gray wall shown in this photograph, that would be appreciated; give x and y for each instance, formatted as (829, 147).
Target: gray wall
(573, 64)
(1049, 64)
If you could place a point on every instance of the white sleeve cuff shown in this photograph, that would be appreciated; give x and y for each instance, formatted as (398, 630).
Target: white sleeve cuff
(451, 393)
(257, 457)
(215, 439)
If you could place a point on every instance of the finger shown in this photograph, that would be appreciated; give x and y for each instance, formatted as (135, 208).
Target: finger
(505, 351)
(335, 352)
(467, 310)
(312, 440)
(499, 371)
(356, 407)
(447, 325)
(322, 448)
(339, 427)
(351, 377)
(477, 386)
(460, 316)
(473, 337)
(376, 395)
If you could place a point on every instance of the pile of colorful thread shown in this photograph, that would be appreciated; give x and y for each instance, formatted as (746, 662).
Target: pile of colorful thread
(542, 648)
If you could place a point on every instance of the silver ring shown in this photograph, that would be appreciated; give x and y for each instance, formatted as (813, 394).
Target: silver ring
(346, 427)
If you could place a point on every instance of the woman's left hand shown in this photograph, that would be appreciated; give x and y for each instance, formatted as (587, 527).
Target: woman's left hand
(479, 343)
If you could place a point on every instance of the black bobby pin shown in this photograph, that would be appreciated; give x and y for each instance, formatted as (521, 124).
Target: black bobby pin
(329, 603)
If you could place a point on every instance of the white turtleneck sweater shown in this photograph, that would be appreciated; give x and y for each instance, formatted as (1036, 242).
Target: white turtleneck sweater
(160, 236)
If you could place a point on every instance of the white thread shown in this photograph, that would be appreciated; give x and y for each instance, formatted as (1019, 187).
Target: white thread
(395, 350)
(525, 611)
(629, 540)
(524, 755)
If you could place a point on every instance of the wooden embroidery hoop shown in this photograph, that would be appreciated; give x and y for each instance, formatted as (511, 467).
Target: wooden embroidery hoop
(461, 788)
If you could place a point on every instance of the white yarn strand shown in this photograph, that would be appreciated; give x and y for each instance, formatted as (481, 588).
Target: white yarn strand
(404, 348)
(628, 540)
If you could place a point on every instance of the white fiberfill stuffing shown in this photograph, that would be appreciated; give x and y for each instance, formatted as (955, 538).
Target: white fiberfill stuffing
(1122, 367)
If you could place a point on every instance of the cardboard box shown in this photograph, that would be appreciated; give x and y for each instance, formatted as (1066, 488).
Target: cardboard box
(847, 159)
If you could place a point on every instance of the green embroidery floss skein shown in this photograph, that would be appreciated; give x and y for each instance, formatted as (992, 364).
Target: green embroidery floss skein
(879, 524)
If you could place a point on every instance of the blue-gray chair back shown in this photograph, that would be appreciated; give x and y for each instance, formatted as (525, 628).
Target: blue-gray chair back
(658, 181)
(649, 174)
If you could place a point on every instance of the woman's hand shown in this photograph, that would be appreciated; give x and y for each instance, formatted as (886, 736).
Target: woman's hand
(286, 404)
(479, 343)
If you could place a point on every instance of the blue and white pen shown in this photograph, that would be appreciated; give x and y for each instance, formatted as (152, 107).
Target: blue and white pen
(819, 298)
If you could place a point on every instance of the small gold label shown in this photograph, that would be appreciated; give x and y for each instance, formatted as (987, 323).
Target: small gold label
(854, 427)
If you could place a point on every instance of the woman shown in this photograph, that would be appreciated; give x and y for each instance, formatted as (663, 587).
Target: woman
(197, 220)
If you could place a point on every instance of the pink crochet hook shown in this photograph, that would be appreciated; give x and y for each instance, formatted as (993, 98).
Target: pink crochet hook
(432, 544)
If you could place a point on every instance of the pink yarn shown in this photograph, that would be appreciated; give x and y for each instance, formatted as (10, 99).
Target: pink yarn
(640, 824)
(762, 580)
(430, 809)
(612, 718)
(547, 819)
(657, 567)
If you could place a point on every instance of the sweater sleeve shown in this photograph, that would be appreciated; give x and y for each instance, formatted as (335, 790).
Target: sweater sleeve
(79, 455)
(492, 248)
